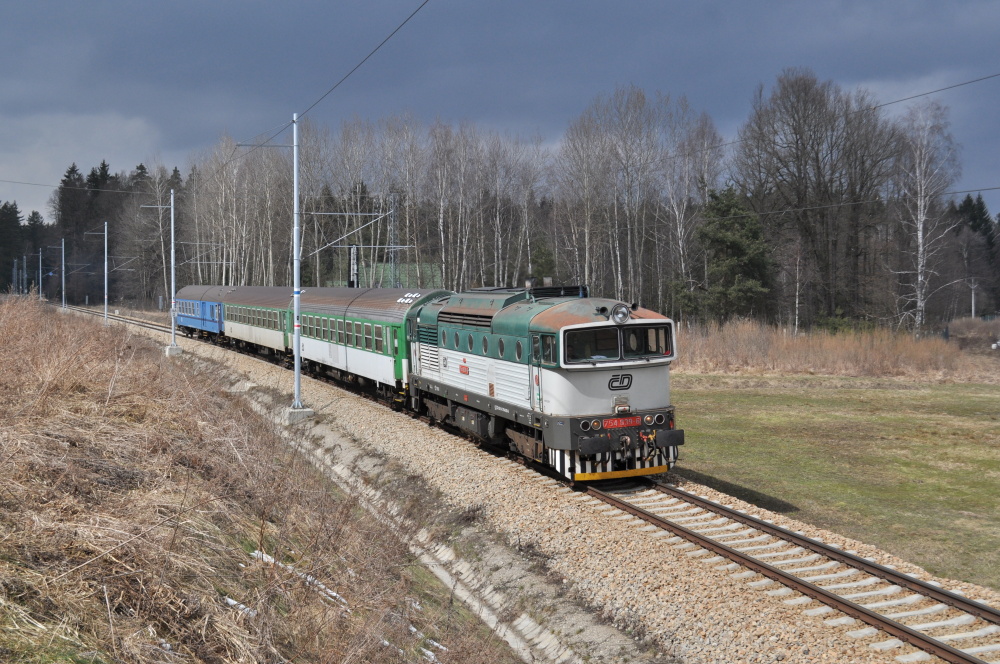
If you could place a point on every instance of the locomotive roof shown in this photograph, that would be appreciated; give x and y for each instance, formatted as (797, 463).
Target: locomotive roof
(517, 311)
(577, 312)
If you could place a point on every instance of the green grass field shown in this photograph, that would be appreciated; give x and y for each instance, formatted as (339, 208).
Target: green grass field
(913, 468)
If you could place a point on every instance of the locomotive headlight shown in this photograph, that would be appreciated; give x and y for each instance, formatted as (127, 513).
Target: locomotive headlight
(648, 420)
(585, 426)
(620, 313)
(659, 419)
(596, 424)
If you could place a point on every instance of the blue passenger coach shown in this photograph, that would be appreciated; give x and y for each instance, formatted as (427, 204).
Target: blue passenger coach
(199, 311)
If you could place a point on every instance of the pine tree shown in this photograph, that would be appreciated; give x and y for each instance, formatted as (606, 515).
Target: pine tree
(740, 271)
(10, 242)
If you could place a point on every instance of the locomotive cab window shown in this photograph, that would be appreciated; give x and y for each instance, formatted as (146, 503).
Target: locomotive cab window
(646, 341)
(592, 345)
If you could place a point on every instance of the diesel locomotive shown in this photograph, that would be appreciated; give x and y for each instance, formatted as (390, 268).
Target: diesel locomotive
(577, 383)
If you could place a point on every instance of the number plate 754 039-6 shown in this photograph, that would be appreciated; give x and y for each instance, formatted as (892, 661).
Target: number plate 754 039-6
(620, 422)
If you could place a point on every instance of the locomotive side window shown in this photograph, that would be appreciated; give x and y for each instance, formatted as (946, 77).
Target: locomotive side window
(470, 342)
(500, 347)
(456, 341)
(486, 345)
(548, 349)
(444, 338)
(518, 350)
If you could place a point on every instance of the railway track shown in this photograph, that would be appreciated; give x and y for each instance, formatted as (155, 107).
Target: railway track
(141, 322)
(923, 615)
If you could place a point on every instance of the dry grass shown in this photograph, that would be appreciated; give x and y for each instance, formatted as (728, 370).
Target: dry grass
(745, 346)
(131, 497)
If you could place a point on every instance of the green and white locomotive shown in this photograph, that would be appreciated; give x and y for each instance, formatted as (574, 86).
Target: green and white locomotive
(577, 383)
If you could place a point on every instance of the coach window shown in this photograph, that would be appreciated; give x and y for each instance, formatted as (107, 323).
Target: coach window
(368, 336)
(378, 338)
(358, 336)
(340, 331)
(395, 340)
(350, 333)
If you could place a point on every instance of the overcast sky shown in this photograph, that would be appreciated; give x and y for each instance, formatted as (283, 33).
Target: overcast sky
(160, 82)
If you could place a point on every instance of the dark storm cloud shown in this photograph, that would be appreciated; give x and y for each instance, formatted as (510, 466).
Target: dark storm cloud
(131, 82)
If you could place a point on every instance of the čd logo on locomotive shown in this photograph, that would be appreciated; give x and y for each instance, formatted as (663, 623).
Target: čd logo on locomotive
(620, 382)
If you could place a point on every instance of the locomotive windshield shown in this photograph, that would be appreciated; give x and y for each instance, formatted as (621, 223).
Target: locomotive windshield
(609, 344)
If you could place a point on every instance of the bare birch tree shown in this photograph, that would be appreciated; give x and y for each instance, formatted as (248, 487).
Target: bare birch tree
(928, 166)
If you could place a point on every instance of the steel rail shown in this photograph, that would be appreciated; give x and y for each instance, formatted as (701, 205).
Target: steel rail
(900, 631)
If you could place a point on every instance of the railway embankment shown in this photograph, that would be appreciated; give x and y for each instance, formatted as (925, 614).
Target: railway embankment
(148, 514)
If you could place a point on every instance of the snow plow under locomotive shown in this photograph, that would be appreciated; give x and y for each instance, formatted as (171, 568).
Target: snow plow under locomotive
(577, 383)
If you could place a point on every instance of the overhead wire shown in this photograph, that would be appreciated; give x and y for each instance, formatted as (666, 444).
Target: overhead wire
(336, 85)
